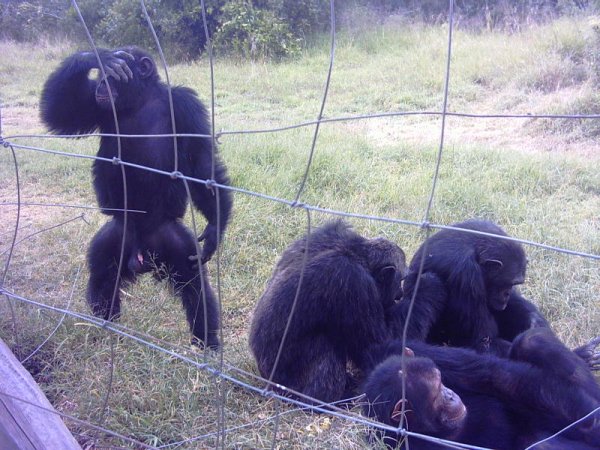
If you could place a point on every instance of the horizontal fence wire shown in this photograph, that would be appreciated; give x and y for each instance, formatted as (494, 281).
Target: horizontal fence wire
(217, 365)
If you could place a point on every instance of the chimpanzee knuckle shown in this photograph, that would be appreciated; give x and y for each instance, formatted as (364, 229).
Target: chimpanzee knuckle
(127, 71)
(110, 72)
(123, 54)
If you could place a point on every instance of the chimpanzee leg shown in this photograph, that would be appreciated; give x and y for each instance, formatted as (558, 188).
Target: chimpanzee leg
(317, 369)
(541, 347)
(327, 380)
(103, 261)
(172, 244)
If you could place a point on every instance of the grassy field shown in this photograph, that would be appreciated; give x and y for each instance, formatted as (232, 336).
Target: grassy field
(538, 178)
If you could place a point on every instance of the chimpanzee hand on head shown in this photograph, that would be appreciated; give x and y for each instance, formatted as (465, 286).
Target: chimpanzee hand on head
(123, 67)
(115, 65)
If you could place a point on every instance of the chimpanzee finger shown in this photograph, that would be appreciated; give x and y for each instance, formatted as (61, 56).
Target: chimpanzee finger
(122, 69)
(193, 259)
(126, 70)
(110, 72)
(124, 54)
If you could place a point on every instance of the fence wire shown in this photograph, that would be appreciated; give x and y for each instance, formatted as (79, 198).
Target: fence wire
(223, 374)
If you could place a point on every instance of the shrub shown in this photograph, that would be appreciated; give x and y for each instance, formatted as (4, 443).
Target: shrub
(254, 33)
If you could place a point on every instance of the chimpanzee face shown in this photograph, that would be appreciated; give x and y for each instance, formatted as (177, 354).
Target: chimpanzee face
(389, 269)
(501, 275)
(126, 71)
(431, 407)
(103, 96)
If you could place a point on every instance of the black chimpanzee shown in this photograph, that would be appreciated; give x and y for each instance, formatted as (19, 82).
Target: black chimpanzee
(483, 308)
(499, 403)
(74, 104)
(346, 286)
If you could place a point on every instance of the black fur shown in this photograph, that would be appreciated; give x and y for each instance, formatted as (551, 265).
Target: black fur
(482, 309)
(73, 104)
(511, 403)
(349, 282)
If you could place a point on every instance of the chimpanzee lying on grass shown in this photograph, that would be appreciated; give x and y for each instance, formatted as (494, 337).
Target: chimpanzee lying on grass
(481, 399)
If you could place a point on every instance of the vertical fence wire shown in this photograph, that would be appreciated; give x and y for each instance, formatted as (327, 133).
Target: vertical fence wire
(222, 372)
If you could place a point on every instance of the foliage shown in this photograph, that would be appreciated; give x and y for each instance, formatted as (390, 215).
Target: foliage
(252, 28)
(252, 32)
(178, 24)
(304, 17)
(29, 21)
(490, 14)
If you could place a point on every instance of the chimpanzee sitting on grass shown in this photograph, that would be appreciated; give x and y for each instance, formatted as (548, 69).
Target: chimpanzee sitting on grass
(482, 308)
(345, 288)
(480, 399)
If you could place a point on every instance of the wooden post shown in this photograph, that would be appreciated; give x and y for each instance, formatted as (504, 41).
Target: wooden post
(24, 426)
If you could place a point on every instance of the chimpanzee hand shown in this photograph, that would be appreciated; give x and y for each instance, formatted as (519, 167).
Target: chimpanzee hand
(590, 353)
(209, 237)
(115, 65)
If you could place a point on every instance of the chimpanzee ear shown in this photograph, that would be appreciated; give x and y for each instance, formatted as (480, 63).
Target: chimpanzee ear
(386, 274)
(145, 66)
(397, 412)
(492, 264)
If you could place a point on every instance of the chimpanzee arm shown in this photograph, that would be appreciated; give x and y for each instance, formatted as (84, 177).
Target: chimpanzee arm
(430, 301)
(529, 390)
(68, 104)
(519, 315)
(196, 158)
(347, 295)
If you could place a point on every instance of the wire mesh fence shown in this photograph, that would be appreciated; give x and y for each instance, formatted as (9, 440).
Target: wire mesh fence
(148, 388)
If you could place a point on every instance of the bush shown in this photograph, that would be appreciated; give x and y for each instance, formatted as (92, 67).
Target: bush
(178, 24)
(27, 21)
(254, 33)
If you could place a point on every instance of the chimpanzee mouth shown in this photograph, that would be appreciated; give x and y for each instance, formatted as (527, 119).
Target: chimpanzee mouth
(500, 305)
(457, 418)
(104, 99)
(103, 95)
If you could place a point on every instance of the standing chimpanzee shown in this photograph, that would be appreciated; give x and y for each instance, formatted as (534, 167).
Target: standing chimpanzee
(345, 288)
(483, 308)
(499, 403)
(74, 104)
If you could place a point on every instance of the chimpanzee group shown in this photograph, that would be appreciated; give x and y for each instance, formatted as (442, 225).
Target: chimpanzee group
(488, 370)
(481, 364)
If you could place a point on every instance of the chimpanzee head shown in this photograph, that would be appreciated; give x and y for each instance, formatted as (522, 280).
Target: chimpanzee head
(387, 264)
(430, 407)
(129, 73)
(503, 264)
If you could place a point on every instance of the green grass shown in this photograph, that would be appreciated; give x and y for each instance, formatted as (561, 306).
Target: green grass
(538, 178)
